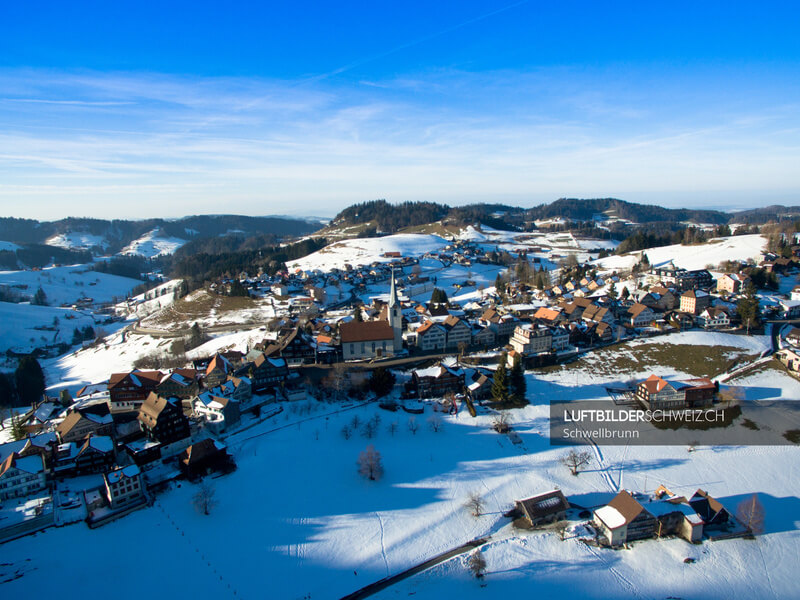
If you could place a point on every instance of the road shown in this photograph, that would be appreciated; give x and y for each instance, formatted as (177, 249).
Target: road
(382, 584)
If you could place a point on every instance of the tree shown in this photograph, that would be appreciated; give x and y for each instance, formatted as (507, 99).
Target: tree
(29, 379)
(499, 383)
(439, 296)
(336, 380)
(18, 431)
(39, 298)
(413, 426)
(369, 464)
(370, 429)
(347, 432)
(501, 423)
(7, 391)
(381, 382)
(748, 307)
(204, 500)
(435, 423)
(518, 386)
(357, 316)
(750, 513)
(575, 460)
(477, 564)
(612, 291)
(474, 504)
(392, 428)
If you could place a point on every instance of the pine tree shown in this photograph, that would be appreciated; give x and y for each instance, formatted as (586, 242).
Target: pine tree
(39, 298)
(499, 382)
(29, 379)
(18, 431)
(748, 308)
(518, 384)
(612, 291)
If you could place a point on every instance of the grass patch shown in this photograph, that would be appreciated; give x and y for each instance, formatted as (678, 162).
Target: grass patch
(793, 435)
(750, 425)
(627, 359)
(199, 306)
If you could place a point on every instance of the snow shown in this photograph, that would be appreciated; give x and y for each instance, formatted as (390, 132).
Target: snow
(610, 516)
(67, 284)
(26, 327)
(76, 240)
(364, 251)
(153, 244)
(9, 246)
(737, 248)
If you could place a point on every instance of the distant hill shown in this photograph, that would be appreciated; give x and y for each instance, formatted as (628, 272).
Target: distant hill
(389, 218)
(112, 236)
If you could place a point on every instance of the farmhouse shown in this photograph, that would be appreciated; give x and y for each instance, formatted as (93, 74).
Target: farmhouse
(544, 508)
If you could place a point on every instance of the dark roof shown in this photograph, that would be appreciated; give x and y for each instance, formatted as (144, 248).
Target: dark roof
(544, 504)
(368, 331)
(201, 450)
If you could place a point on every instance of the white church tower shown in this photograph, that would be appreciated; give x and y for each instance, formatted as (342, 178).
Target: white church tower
(395, 317)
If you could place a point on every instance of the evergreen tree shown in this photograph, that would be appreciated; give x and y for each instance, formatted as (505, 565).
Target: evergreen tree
(39, 298)
(18, 431)
(612, 291)
(29, 379)
(748, 308)
(7, 393)
(499, 382)
(439, 296)
(381, 381)
(77, 337)
(88, 333)
(518, 383)
(357, 316)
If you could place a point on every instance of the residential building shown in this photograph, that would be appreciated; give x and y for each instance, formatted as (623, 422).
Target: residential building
(162, 419)
(714, 318)
(124, 487)
(217, 371)
(431, 336)
(437, 381)
(732, 283)
(127, 391)
(694, 301)
(457, 332)
(266, 373)
(180, 383)
(656, 393)
(77, 425)
(532, 339)
(22, 476)
(623, 520)
(641, 315)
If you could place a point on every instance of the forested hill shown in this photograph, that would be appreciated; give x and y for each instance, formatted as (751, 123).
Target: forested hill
(391, 217)
(116, 234)
(586, 209)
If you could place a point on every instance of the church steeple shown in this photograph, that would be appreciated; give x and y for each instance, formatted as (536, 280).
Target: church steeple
(395, 316)
(393, 301)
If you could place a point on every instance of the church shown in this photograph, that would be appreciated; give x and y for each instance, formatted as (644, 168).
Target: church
(374, 339)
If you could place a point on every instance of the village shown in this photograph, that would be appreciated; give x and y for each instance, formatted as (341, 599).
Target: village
(113, 447)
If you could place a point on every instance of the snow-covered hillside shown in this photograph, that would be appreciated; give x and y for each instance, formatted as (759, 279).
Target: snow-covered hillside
(739, 247)
(297, 515)
(364, 251)
(76, 240)
(67, 284)
(153, 244)
(26, 327)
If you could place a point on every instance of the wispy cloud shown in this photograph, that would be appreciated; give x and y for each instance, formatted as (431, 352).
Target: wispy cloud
(149, 144)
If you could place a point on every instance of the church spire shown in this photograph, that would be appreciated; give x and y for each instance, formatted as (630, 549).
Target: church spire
(393, 301)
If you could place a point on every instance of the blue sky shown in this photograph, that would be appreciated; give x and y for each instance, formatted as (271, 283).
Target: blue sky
(137, 109)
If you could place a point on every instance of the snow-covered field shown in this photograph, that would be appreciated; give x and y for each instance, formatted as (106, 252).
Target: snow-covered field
(153, 244)
(25, 327)
(76, 240)
(364, 251)
(67, 284)
(297, 515)
(740, 247)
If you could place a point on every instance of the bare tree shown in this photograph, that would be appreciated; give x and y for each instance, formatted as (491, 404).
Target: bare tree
(474, 504)
(355, 422)
(575, 460)
(476, 563)
(336, 381)
(204, 500)
(413, 426)
(501, 423)
(435, 423)
(392, 428)
(369, 429)
(347, 432)
(750, 513)
(561, 529)
(731, 395)
(369, 463)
